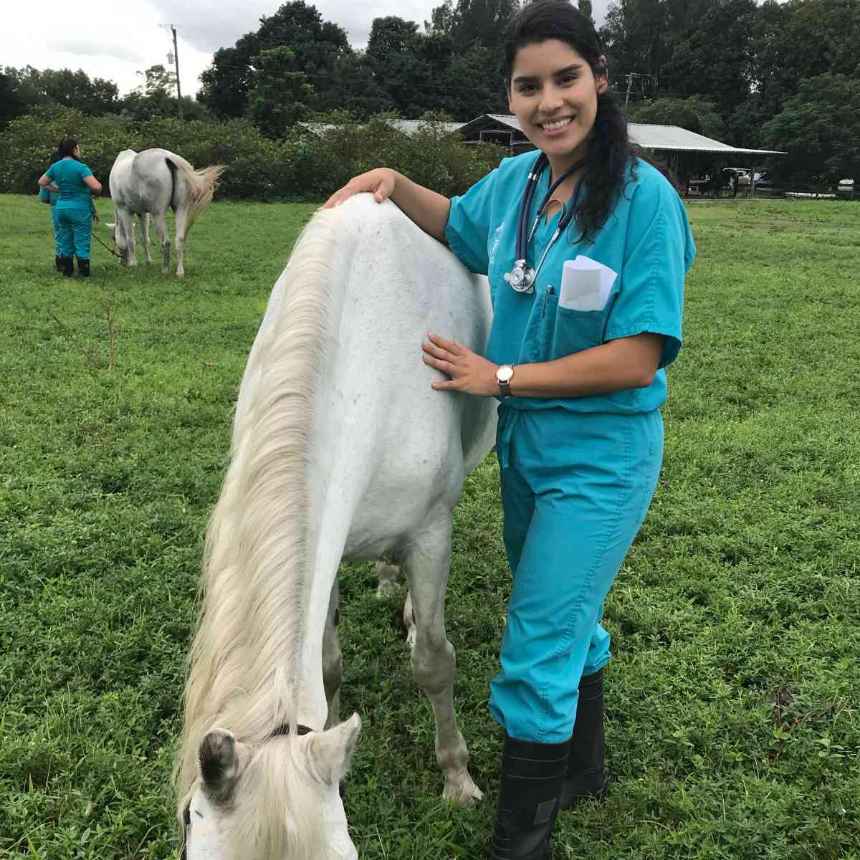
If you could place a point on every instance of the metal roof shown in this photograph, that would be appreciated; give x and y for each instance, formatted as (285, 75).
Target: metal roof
(649, 136)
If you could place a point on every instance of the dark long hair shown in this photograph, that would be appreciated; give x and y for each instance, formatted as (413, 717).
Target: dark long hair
(67, 147)
(609, 148)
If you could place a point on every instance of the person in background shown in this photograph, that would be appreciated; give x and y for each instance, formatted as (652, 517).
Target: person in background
(586, 247)
(73, 209)
(50, 194)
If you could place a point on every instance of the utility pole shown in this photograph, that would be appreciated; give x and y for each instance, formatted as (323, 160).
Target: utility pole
(629, 83)
(176, 64)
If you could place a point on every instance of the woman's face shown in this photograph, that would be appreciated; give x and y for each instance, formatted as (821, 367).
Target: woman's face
(77, 151)
(554, 93)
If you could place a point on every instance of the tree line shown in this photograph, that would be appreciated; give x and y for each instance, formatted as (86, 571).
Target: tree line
(776, 75)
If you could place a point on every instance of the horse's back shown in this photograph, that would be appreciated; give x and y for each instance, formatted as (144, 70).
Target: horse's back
(415, 444)
(142, 181)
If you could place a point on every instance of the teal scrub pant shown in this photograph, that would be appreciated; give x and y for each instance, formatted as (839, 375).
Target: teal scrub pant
(56, 228)
(575, 490)
(73, 230)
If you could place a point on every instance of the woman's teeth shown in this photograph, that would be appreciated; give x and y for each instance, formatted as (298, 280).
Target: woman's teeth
(554, 126)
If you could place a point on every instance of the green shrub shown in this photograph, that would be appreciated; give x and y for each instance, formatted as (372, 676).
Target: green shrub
(302, 166)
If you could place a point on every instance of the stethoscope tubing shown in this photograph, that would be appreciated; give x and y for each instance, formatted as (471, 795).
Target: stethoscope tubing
(524, 234)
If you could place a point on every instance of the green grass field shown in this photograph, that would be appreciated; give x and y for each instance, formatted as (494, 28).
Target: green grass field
(733, 724)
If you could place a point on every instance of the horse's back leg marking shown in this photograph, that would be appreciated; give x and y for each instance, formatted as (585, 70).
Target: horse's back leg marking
(433, 659)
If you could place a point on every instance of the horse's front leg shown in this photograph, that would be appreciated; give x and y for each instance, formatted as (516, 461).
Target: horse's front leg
(332, 659)
(433, 659)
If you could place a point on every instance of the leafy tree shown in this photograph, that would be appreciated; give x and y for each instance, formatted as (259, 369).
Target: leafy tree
(819, 128)
(714, 57)
(226, 83)
(281, 94)
(401, 66)
(482, 22)
(154, 97)
(28, 88)
(474, 84)
(355, 88)
(11, 104)
(637, 36)
(316, 46)
(694, 113)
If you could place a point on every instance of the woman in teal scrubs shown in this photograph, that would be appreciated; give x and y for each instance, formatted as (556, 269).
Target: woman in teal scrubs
(73, 209)
(584, 328)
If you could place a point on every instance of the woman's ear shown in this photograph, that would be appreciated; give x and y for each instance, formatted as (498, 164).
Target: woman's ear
(601, 74)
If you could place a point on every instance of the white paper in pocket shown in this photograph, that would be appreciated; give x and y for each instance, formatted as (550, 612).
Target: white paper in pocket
(585, 284)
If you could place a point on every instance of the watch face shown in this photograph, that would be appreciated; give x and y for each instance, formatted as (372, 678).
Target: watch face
(504, 373)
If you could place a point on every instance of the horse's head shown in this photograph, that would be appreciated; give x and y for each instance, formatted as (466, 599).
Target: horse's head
(277, 801)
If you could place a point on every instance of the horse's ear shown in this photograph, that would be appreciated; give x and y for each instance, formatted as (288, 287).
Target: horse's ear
(219, 764)
(331, 751)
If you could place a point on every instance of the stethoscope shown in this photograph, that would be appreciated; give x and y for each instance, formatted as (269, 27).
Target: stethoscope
(522, 277)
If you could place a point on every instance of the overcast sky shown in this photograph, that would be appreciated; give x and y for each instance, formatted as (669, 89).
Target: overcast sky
(117, 40)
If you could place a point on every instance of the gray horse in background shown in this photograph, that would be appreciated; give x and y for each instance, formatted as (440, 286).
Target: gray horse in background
(147, 183)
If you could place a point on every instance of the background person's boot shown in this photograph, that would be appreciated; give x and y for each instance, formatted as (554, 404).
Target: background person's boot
(68, 266)
(58, 264)
(83, 268)
(586, 770)
(529, 798)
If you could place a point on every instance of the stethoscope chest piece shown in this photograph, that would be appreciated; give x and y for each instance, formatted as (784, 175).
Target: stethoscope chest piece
(521, 277)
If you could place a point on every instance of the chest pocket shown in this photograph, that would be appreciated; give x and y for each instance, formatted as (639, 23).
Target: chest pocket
(570, 331)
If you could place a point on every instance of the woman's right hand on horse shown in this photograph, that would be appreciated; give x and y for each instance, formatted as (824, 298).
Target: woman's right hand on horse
(379, 182)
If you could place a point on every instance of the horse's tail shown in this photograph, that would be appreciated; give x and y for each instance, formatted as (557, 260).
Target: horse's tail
(200, 184)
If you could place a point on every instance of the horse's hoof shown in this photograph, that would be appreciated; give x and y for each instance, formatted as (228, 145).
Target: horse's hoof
(462, 791)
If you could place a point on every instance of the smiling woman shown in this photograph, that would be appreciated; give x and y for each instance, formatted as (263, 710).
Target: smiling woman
(586, 248)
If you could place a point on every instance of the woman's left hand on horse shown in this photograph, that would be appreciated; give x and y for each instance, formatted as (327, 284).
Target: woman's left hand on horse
(467, 370)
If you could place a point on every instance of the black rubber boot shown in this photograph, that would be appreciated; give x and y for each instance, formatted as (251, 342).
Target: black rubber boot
(83, 268)
(529, 798)
(58, 263)
(586, 770)
(68, 266)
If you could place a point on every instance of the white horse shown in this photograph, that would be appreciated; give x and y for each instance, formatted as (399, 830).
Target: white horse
(341, 449)
(148, 183)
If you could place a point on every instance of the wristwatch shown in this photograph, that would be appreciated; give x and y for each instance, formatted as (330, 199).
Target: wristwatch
(504, 375)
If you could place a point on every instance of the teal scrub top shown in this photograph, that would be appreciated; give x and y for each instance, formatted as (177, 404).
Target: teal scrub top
(646, 244)
(68, 174)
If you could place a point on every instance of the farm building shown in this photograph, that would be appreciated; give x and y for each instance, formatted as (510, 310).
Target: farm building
(684, 152)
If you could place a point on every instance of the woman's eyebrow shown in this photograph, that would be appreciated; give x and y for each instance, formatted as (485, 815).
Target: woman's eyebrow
(530, 79)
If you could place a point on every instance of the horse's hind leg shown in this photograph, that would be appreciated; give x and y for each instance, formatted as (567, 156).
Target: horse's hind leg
(161, 229)
(332, 659)
(181, 230)
(144, 224)
(433, 659)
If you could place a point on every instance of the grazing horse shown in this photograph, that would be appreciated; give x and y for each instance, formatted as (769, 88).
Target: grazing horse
(341, 450)
(147, 183)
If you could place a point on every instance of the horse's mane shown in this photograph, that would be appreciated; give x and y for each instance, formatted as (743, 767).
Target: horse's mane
(243, 667)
